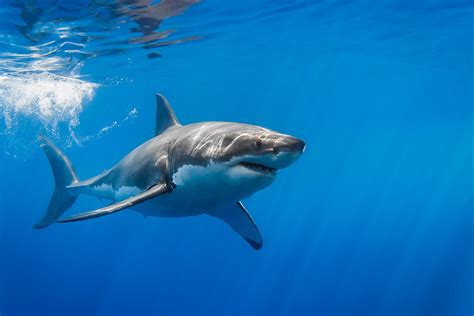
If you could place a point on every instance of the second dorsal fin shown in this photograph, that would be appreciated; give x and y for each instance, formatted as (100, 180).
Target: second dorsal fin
(165, 116)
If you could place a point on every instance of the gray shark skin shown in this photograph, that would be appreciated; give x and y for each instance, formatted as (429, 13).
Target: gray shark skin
(185, 170)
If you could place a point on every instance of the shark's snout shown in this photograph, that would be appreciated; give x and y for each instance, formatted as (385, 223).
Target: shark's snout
(289, 145)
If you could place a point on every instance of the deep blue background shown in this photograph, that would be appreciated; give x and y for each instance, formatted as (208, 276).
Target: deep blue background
(375, 219)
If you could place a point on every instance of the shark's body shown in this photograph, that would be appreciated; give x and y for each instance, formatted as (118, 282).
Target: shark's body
(202, 168)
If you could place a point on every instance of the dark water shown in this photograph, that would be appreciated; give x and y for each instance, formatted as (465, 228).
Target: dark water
(376, 218)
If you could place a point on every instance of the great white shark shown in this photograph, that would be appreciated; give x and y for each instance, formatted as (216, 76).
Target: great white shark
(185, 170)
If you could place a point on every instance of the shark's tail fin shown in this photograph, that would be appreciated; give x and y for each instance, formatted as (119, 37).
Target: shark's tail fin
(64, 175)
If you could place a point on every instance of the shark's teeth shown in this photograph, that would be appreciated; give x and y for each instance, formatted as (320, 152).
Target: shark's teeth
(258, 167)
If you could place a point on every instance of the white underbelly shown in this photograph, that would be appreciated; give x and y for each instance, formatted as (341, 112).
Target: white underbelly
(198, 190)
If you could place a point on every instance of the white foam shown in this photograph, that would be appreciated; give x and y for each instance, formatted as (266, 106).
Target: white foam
(47, 97)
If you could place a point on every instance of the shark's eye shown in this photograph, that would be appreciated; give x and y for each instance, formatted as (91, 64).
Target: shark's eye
(258, 143)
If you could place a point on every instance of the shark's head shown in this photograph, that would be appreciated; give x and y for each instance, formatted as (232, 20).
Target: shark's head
(253, 155)
(261, 152)
(235, 160)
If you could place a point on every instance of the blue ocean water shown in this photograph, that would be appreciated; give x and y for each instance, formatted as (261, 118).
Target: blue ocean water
(376, 218)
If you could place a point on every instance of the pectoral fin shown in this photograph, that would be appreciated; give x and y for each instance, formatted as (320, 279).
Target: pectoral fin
(113, 208)
(241, 222)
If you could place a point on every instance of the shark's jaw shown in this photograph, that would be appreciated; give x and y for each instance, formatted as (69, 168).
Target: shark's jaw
(258, 168)
(251, 173)
(265, 165)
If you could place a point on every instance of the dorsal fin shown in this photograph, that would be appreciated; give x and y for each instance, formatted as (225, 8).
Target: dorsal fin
(165, 116)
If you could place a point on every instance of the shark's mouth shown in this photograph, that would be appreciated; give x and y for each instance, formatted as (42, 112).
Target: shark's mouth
(258, 168)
